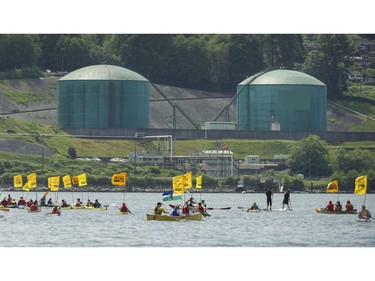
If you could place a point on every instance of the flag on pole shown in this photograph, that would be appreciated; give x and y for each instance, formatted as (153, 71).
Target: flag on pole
(82, 181)
(75, 180)
(53, 183)
(119, 179)
(31, 179)
(198, 181)
(17, 180)
(67, 181)
(168, 196)
(178, 184)
(26, 187)
(188, 180)
(333, 186)
(360, 185)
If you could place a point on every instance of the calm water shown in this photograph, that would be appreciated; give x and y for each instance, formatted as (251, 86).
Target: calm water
(302, 227)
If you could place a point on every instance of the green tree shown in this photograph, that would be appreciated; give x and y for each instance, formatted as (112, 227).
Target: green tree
(282, 50)
(361, 160)
(329, 62)
(310, 157)
(19, 51)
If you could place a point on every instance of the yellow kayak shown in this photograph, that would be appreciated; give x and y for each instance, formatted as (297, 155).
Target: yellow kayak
(2, 208)
(123, 213)
(197, 216)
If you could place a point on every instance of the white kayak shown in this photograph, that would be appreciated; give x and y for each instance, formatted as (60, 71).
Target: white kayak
(364, 220)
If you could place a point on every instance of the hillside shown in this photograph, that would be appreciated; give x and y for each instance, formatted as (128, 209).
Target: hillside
(200, 106)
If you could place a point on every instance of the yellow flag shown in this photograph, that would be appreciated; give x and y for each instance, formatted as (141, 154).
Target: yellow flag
(188, 180)
(360, 185)
(67, 181)
(31, 179)
(333, 186)
(82, 181)
(75, 180)
(198, 181)
(178, 184)
(17, 180)
(119, 179)
(26, 187)
(53, 183)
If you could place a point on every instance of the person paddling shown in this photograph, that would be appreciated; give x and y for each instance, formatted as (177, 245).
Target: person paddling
(286, 199)
(364, 213)
(269, 199)
(56, 210)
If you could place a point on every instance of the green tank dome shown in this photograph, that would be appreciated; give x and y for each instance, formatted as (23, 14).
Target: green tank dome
(103, 72)
(282, 77)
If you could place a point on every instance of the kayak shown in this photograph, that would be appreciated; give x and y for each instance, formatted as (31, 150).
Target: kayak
(96, 209)
(123, 213)
(197, 216)
(364, 220)
(324, 211)
(83, 208)
(37, 211)
(218, 208)
(4, 209)
(253, 211)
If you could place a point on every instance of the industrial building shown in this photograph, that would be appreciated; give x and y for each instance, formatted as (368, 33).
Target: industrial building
(282, 100)
(103, 96)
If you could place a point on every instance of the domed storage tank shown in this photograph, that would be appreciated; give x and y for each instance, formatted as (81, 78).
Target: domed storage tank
(283, 100)
(103, 96)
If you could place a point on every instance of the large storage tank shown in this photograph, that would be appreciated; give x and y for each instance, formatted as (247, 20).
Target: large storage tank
(103, 96)
(283, 100)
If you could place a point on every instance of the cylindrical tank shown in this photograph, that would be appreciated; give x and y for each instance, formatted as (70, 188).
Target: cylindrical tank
(103, 96)
(283, 100)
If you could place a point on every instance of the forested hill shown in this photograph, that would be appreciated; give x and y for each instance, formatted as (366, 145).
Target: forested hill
(211, 62)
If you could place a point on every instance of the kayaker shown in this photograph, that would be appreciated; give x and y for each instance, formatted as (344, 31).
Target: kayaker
(43, 200)
(49, 202)
(159, 209)
(4, 202)
(349, 206)
(364, 213)
(55, 210)
(286, 199)
(9, 199)
(29, 203)
(64, 203)
(89, 203)
(192, 202)
(185, 208)
(204, 204)
(202, 210)
(330, 207)
(124, 208)
(13, 202)
(34, 206)
(78, 203)
(21, 202)
(269, 198)
(338, 206)
(97, 204)
(174, 211)
(253, 207)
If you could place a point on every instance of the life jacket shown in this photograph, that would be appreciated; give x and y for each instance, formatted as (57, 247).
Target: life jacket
(364, 213)
(185, 209)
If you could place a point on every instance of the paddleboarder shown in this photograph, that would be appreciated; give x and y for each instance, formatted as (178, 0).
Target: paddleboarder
(269, 199)
(286, 199)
